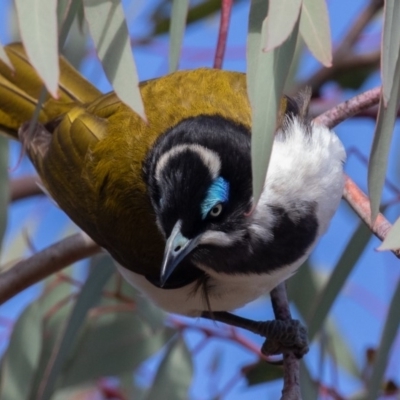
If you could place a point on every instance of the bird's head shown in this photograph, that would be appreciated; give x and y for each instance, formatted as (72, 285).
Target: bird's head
(199, 180)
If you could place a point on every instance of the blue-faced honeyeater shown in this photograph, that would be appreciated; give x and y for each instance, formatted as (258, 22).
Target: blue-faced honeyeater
(171, 198)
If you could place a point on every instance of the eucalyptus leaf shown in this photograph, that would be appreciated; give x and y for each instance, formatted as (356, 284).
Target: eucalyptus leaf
(109, 31)
(381, 144)
(267, 73)
(314, 28)
(111, 344)
(20, 361)
(176, 31)
(282, 16)
(88, 297)
(261, 372)
(308, 387)
(325, 299)
(388, 336)
(392, 240)
(38, 27)
(390, 46)
(174, 374)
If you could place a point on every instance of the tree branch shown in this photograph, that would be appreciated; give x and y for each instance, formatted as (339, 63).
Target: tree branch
(223, 32)
(359, 202)
(349, 108)
(44, 263)
(26, 186)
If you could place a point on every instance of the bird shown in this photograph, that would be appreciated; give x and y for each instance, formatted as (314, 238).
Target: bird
(171, 198)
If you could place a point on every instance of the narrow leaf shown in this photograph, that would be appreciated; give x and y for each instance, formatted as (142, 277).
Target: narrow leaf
(266, 80)
(174, 374)
(314, 28)
(388, 336)
(338, 278)
(176, 31)
(381, 144)
(390, 46)
(392, 240)
(110, 34)
(281, 19)
(88, 297)
(121, 338)
(38, 27)
(20, 361)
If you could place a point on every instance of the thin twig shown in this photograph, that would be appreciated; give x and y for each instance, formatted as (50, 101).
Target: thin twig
(349, 108)
(359, 202)
(223, 32)
(48, 261)
(26, 186)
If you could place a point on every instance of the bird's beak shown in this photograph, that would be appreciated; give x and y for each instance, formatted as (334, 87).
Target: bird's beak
(176, 249)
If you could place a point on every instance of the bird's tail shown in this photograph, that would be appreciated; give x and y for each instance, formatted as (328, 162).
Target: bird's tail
(20, 90)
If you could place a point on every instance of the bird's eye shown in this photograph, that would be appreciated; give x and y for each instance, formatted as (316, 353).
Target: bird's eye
(216, 210)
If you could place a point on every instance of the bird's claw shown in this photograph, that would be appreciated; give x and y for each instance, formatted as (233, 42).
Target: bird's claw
(285, 336)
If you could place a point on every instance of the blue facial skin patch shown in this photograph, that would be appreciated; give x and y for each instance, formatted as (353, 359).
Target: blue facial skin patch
(218, 192)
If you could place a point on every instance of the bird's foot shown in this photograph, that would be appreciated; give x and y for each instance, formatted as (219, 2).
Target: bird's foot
(282, 336)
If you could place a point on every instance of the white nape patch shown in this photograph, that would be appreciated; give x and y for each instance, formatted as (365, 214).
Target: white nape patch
(304, 168)
(209, 157)
(221, 238)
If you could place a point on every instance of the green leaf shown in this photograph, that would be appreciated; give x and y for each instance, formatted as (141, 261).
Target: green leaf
(176, 31)
(196, 13)
(261, 372)
(305, 299)
(88, 297)
(267, 73)
(340, 351)
(314, 28)
(381, 144)
(338, 278)
(174, 374)
(121, 338)
(38, 27)
(280, 22)
(4, 189)
(390, 46)
(110, 34)
(387, 113)
(388, 336)
(392, 240)
(309, 389)
(21, 358)
(68, 19)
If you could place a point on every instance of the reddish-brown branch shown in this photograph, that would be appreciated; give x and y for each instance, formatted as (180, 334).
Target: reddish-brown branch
(26, 186)
(349, 108)
(223, 32)
(359, 202)
(48, 261)
(225, 334)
